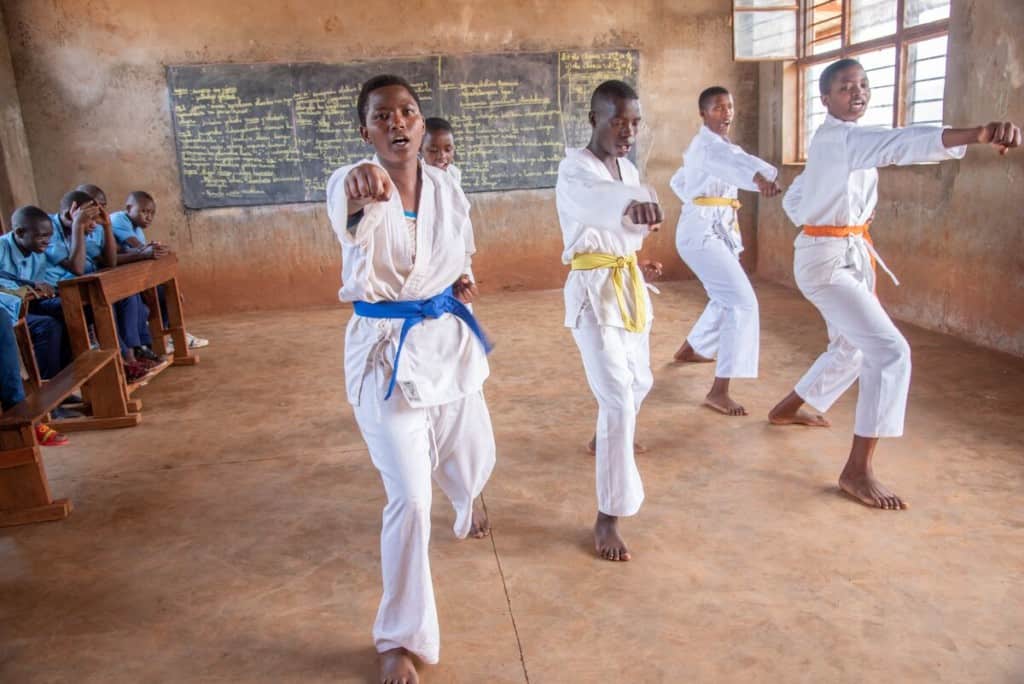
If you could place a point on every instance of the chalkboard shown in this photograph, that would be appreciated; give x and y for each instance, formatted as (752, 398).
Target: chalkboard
(251, 134)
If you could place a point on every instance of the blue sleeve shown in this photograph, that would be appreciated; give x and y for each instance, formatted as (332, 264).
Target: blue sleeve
(123, 227)
(55, 253)
(11, 304)
(6, 262)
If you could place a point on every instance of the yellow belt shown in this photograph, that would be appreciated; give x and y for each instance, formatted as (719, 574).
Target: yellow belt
(588, 262)
(722, 202)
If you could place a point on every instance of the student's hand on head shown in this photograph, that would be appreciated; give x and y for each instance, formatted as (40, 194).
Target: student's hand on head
(766, 187)
(84, 216)
(103, 218)
(651, 269)
(464, 289)
(645, 214)
(1002, 135)
(367, 183)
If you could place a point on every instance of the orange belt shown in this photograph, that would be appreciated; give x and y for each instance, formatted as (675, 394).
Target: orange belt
(838, 230)
(844, 231)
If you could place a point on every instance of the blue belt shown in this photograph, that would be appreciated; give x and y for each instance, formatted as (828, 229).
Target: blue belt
(414, 313)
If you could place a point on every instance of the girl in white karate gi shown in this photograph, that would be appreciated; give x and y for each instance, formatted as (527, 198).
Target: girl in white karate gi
(708, 239)
(415, 362)
(833, 201)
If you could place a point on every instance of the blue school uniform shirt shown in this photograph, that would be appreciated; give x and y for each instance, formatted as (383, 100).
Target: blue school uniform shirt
(11, 304)
(124, 228)
(60, 249)
(30, 267)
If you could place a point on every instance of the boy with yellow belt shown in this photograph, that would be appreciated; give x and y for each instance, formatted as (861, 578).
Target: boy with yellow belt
(605, 213)
(708, 240)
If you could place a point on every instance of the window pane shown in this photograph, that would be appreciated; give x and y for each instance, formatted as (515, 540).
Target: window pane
(923, 11)
(926, 81)
(765, 35)
(872, 19)
(880, 67)
(814, 110)
(824, 26)
(739, 4)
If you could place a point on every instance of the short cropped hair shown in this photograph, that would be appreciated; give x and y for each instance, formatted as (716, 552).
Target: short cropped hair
(78, 197)
(612, 90)
(136, 196)
(708, 94)
(436, 124)
(829, 74)
(376, 83)
(28, 217)
(90, 189)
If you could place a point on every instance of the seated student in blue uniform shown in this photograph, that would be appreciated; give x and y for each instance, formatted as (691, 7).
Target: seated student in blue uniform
(131, 313)
(82, 247)
(23, 264)
(130, 232)
(12, 389)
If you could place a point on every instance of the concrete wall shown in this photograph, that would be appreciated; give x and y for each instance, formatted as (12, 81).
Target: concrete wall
(953, 232)
(94, 97)
(17, 184)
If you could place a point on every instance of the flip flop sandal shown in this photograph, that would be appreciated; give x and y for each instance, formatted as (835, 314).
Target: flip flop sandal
(47, 436)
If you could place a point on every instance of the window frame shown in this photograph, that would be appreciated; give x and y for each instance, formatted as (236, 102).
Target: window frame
(900, 40)
(795, 6)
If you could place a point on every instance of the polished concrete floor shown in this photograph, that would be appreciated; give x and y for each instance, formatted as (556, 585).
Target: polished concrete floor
(232, 536)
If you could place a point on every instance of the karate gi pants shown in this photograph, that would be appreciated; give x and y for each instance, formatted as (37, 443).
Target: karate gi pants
(729, 329)
(864, 344)
(617, 364)
(453, 444)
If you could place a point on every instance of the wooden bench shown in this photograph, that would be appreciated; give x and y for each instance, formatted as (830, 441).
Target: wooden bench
(102, 289)
(24, 490)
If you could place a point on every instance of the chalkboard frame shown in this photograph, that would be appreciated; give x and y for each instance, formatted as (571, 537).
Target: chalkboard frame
(194, 201)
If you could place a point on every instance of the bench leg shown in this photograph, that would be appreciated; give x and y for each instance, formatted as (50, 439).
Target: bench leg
(110, 407)
(24, 490)
(58, 510)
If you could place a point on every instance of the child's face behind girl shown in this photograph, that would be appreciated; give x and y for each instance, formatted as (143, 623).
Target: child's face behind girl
(439, 149)
(394, 125)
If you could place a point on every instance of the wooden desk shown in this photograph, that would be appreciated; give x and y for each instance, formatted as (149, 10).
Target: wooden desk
(102, 289)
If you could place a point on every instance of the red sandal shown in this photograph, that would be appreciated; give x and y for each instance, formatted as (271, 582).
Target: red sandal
(47, 436)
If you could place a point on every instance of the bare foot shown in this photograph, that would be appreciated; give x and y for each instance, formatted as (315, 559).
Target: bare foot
(870, 492)
(638, 448)
(800, 417)
(481, 525)
(724, 404)
(789, 412)
(685, 354)
(397, 667)
(607, 542)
